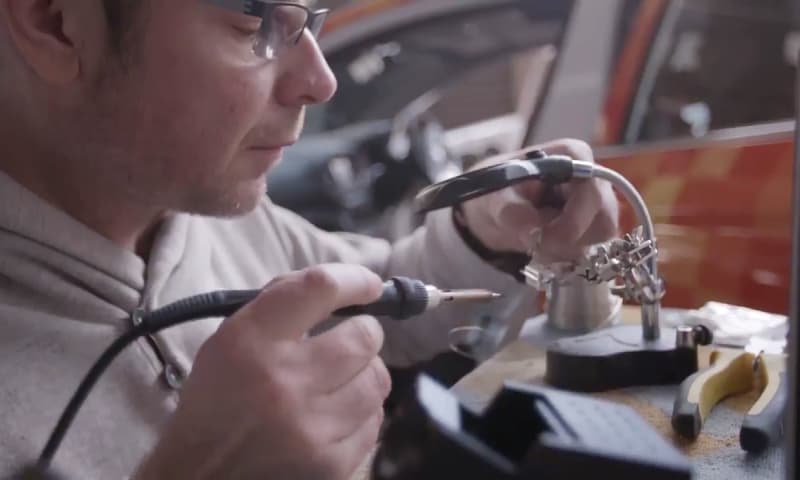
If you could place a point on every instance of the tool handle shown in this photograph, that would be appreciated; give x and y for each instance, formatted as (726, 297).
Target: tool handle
(401, 298)
(550, 196)
(730, 373)
(763, 425)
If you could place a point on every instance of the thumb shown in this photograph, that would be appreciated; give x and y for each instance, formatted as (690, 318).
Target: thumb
(517, 222)
(291, 305)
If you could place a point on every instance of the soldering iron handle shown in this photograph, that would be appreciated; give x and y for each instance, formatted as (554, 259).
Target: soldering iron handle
(402, 298)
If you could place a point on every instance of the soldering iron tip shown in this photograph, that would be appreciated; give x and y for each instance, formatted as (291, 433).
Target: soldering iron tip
(470, 295)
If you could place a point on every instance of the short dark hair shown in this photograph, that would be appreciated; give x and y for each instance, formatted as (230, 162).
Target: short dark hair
(119, 15)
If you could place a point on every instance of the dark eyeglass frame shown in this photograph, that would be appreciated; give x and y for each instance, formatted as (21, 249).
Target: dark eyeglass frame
(315, 19)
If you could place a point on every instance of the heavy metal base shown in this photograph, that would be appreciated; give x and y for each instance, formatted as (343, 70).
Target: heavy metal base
(618, 357)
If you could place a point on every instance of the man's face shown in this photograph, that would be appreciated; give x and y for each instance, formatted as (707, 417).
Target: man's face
(193, 119)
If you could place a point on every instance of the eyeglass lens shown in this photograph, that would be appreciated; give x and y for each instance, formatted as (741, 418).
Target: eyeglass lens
(283, 25)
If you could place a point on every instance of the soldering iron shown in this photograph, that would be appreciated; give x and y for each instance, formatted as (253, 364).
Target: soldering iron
(401, 298)
(405, 297)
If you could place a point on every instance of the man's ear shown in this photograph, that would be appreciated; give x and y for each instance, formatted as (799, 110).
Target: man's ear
(45, 35)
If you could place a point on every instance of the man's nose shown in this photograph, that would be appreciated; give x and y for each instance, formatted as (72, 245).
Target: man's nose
(305, 77)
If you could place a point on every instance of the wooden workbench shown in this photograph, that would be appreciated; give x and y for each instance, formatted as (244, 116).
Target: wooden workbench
(715, 454)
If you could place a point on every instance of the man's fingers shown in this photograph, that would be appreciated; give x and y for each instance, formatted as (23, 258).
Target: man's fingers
(575, 149)
(572, 217)
(356, 401)
(562, 238)
(517, 223)
(570, 147)
(519, 216)
(569, 227)
(309, 296)
(344, 351)
(530, 190)
(604, 227)
(352, 451)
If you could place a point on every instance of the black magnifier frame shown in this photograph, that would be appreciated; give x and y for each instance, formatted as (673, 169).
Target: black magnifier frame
(537, 165)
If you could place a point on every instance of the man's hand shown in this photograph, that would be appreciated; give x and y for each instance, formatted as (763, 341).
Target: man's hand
(263, 402)
(507, 220)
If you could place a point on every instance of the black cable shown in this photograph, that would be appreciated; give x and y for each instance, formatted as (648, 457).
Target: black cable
(402, 297)
(214, 304)
(83, 390)
(537, 165)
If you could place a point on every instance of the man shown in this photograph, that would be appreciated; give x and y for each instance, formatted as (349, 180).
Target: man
(136, 136)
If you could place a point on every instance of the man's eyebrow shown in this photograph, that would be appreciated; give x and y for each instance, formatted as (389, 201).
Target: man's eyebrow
(311, 4)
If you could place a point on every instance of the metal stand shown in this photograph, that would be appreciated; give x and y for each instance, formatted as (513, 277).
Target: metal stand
(619, 356)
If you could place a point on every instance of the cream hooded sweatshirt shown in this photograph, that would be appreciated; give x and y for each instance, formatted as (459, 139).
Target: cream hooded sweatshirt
(67, 292)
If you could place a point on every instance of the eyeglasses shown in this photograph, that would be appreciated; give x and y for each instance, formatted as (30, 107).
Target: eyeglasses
(282, 23)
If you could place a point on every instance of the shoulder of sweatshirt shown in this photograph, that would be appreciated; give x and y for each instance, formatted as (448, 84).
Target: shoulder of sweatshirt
(275, 235)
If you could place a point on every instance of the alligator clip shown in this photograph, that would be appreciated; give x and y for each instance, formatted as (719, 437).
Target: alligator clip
(732, 372)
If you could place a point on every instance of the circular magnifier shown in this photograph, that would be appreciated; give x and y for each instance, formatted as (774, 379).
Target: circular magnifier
(552, 169)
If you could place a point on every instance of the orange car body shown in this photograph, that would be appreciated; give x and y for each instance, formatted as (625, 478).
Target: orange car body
(722, 212)
(721, 204)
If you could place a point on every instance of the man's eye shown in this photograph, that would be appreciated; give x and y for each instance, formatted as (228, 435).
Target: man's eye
(249, 30)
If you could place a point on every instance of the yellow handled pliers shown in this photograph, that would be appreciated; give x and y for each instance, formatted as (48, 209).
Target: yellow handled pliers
(732, 372)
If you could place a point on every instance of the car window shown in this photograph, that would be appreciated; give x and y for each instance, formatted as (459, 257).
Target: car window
(716, 64)
(478, 53)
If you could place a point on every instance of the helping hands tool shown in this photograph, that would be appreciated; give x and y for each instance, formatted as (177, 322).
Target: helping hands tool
(616, 357)
(731, 372)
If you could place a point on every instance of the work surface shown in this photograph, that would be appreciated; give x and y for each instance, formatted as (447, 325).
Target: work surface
(715, 454)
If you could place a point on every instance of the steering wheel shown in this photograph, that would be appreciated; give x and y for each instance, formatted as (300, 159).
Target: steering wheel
(428, 149)
(418, 137)
(416, 155)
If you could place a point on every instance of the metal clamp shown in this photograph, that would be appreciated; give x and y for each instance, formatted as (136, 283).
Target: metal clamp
(630, 262)
(625, 259)
(621, 260)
